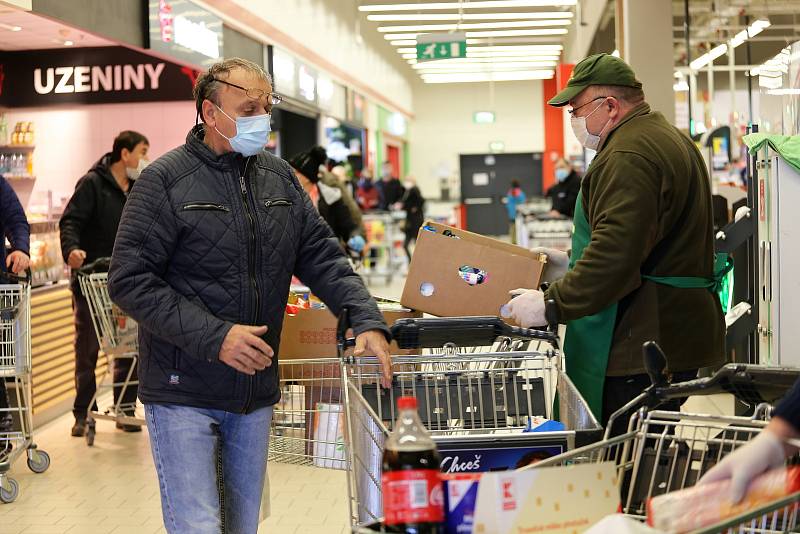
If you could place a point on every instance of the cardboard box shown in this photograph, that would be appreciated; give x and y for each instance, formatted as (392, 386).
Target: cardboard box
(462, 273)
(552, 500)
(312, 333)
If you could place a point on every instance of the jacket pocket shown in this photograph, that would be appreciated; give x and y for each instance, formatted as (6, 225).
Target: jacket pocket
(276, 202)
(204, 206)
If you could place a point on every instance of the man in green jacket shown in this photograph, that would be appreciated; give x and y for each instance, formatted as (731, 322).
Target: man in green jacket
(642, 265)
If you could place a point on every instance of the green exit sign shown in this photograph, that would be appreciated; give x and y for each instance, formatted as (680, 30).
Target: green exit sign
(441, 46)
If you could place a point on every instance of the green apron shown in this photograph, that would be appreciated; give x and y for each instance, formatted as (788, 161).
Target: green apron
(587, 343)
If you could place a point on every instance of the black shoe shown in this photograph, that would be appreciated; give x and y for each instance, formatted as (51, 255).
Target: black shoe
(79, 428)
(129, 428)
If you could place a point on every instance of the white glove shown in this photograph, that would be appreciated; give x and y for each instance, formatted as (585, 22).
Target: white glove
(526, 308)
(557, 263)
(764, 453)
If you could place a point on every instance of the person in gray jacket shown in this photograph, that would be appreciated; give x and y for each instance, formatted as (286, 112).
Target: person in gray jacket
(209, 239)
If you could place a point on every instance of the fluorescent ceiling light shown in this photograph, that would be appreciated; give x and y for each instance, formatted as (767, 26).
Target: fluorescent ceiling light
(482, 65)
(680, 87)
(473, 26)
(754, 29)
(486, 4)
(404, 42)
(502, 56)
(510, 41)
(527, 48)
(785, 91)
(488, 59)
(441, 17)
(708, 57)
(491, 33)
(488, 76)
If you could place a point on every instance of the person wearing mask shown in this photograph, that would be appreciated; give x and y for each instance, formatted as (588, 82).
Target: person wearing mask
(15, 228)
(414, 205)
(88, 228)
(367, 194)
(564, 193)
(768, 450)
(642, 265)
(328, 196)
(390, 189)
(514, 198)
(207, 246)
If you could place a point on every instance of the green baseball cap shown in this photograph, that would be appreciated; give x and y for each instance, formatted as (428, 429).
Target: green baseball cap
(599, 69)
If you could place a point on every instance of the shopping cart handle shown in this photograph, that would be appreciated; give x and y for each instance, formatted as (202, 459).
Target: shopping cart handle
(342, 326)
(13, 278)
(100, 265)
(479, 331)
(655, 363)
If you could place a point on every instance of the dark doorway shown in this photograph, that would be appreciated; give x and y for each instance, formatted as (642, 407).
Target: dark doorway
(485, 181)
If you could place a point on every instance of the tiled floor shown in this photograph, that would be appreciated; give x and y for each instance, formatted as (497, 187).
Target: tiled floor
(112, 487)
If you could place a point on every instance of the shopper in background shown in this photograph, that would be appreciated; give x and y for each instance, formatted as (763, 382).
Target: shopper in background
(329, 196)
(564, 193)
(208, 243)
(414, 205)
(390, 189)
(514, 198)
(88, 228)
(14, 227)
(768, 450)
(367, 194)
(642, 266)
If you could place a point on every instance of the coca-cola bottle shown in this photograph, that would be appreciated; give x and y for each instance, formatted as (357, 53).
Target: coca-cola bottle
(413, 500)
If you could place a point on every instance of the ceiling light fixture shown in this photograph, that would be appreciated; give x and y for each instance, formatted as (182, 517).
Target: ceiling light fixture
(474, 26)
(488, 76)
(708, 57)
(485, 4)
(427, 65)
(754, 29)
(443, 17)
(491, 33)
(491, 58)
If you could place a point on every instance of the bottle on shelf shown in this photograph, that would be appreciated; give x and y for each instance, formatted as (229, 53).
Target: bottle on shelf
(413, 498)
(3, 129)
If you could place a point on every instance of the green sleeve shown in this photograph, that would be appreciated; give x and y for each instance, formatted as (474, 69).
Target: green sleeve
(623, 207)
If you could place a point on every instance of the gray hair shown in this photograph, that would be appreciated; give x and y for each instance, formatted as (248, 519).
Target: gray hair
(629, 95)
(207, 88)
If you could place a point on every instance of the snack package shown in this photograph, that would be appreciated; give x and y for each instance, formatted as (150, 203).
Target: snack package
(460, 496)
(701, 506)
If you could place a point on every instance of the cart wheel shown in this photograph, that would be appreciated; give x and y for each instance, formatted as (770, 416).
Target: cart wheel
(10, 495)
(90, 431)
(39, 461)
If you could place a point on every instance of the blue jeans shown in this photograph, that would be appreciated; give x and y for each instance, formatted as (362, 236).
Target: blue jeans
(188, 445)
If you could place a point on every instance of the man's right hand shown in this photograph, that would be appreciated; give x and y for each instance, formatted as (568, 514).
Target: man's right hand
(76, 258)
(557, 263)
(244, 350)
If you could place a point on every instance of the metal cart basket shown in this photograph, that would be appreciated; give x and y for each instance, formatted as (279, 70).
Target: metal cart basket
(118, 337)
(467, 400)
(16, 435)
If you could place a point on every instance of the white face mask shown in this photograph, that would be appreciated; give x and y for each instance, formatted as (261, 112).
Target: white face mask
(133, 173)
(589, 140)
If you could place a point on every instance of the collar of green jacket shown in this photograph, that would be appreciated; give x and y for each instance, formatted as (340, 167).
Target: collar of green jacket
(641, 109)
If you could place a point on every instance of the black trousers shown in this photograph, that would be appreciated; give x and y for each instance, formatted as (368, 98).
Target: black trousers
(86, 349)
(619, 390)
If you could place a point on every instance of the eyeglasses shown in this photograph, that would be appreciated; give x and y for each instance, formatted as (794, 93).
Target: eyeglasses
(255, 93)
(573, 110)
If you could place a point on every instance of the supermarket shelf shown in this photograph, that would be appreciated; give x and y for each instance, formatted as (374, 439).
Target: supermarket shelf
(17, 148)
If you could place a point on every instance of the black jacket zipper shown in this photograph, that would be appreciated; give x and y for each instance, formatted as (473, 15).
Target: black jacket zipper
(251, 258)
(205, 206)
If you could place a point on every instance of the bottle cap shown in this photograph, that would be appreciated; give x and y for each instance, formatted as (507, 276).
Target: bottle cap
(407, 403)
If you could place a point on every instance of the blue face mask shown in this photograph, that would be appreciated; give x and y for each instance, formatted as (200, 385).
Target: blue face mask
(562, 174)
(251, 133)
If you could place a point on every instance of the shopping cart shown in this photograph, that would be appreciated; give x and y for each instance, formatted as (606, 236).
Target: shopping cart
(15, 370)
(308, 421)
(381, 258)
(665, 451)
(118, 337)
(469, 401)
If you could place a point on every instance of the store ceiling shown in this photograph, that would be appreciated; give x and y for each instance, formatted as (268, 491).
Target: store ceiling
(506, 39)
(20, 30)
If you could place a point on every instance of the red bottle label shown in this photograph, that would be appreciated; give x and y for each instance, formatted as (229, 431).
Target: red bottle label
(412, 496)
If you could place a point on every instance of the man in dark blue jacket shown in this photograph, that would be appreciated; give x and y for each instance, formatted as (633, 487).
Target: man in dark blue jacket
(88, 228)
(209, 239)
(13, 226)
